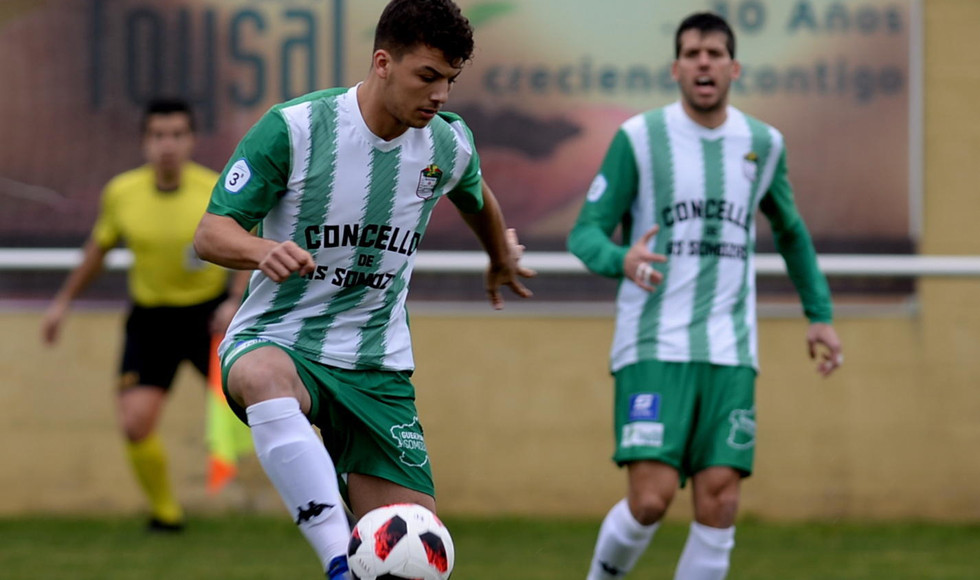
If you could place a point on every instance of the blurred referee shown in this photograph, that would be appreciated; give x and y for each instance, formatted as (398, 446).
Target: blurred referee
(178, 301)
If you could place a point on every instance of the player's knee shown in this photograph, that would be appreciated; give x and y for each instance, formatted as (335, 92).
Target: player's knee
(717, 509)
(649, 507)
(136, 429)
(136, 423)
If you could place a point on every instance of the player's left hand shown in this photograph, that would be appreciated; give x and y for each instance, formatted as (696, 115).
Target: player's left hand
(509, 273)
(824, 346)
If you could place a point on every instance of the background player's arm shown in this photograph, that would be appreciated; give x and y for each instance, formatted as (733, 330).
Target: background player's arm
(223, 241)
(606, 207)
(93, 256)
(794, 244)
(227, 309)
(501, 246)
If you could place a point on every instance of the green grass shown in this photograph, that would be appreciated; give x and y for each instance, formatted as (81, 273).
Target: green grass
(245, 547)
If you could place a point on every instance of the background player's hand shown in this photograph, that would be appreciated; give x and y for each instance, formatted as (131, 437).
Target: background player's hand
(509, 273)
(51, 323)
(222, 316)
(636, 264)
(284, 259)
(824, 346)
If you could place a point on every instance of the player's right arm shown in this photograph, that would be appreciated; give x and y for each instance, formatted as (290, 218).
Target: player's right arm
(606, 206)
(249, 187)
(222, 240)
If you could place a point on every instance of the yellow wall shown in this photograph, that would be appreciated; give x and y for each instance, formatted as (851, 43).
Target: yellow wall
(517, 409)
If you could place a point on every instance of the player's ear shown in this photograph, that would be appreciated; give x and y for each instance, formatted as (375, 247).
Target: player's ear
(736, 69)
(673, 70)
(381, 63)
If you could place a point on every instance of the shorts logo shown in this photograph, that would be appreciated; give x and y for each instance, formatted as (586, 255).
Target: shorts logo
(410, 441)
(240, 346)
(742, 433)
(129, 379)
(645, 407)
(238, 176)
(642, 434)
(428, 180)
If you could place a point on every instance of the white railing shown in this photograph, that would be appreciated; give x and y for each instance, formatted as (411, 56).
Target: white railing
(440, 262)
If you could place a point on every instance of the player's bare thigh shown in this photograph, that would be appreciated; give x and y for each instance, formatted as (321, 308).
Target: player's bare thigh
(263, 374)
(367, 492)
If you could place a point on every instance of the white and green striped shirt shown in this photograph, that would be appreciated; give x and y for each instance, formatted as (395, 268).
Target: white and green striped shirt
(702, 187)
(311, 171)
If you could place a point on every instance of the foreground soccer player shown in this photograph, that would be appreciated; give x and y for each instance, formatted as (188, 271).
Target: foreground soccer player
(685, 182)
(342, 183)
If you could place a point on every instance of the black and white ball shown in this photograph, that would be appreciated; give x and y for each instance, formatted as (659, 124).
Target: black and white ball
(401, 541)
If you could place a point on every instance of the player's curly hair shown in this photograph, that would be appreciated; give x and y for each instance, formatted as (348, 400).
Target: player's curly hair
(406, 24)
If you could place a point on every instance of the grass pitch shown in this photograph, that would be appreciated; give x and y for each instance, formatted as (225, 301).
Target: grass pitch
(260, 547)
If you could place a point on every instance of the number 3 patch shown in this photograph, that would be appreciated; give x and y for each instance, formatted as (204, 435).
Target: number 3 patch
(238, 176)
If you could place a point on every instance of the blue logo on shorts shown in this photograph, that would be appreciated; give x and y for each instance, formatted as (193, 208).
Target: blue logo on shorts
(645, 407)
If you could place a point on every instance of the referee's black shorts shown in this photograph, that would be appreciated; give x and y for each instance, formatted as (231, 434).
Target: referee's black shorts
(158, 338)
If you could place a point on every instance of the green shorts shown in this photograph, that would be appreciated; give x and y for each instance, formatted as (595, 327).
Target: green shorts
(688, 415)
(367, 419)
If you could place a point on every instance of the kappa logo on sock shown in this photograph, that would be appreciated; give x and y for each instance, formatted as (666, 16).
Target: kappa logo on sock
(311, 511)
(610, 569)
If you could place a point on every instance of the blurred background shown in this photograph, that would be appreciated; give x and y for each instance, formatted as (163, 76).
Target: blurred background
(876, 99)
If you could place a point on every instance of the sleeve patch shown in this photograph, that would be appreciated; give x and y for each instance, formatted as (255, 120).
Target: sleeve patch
(598, 187)
(238, 176)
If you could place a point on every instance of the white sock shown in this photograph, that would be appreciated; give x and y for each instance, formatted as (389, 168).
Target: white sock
(706, 553)
(302, 472)
(622, 540)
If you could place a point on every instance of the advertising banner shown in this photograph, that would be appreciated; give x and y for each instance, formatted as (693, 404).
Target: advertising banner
(550, 83)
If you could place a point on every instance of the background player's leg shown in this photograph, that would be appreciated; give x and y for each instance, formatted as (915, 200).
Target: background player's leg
(266, 383)
(711, 538)
(139, 410)
(629, 526)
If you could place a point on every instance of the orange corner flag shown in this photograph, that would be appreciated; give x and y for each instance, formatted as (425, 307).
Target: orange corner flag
(227, 437)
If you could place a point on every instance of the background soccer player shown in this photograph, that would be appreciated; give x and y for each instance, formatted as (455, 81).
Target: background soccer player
(177, 299)
(685, 182)
(342, 183)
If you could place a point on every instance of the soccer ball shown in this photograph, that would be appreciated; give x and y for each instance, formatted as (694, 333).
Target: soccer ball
(400, 541)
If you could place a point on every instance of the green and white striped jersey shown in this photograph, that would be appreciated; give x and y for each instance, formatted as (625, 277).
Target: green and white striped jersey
(312, 172)
(702, 187)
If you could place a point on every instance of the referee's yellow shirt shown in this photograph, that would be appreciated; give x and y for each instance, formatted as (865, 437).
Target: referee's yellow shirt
(158, 227)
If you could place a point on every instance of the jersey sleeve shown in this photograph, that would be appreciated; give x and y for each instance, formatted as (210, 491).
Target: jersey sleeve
(606, 206)
(106, 232)
(794, 244)
(257, 174)
(467, 195)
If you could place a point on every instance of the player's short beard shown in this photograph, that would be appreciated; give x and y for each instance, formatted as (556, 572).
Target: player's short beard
(716, 106)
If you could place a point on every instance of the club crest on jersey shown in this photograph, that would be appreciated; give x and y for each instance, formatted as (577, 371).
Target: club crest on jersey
(750, 165)
(428, 180)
